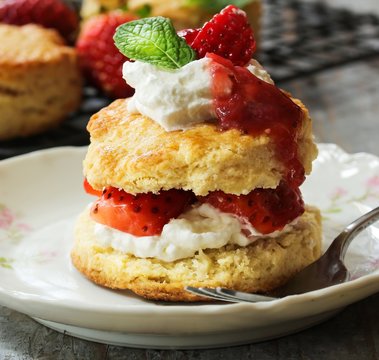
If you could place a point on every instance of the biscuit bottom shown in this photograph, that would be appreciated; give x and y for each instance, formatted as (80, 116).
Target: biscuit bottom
(260, 267)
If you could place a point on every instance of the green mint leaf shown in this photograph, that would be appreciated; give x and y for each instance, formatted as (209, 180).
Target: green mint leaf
(218, 5)
(153, 40)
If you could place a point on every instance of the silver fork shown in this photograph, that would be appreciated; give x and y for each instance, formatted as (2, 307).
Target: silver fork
(328, 270)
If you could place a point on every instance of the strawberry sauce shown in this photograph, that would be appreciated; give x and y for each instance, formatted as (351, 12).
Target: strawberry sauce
(267, 210)
(255, 108)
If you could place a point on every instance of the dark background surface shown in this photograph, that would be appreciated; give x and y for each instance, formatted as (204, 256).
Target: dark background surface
(299, 39)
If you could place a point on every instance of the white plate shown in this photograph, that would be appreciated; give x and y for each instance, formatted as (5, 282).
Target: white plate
(40, 196)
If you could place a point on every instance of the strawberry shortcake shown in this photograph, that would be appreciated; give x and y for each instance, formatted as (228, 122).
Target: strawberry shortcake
(196, 177)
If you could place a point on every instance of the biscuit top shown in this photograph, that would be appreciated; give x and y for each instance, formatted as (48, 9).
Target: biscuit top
(134, 153)
(30, 43)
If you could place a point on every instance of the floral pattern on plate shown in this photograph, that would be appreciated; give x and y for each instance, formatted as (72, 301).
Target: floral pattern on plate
(12, 227)
(12, 230)
(44, 284)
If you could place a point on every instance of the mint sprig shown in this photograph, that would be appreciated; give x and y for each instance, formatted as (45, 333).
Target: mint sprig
(153, 40)
(218, 5)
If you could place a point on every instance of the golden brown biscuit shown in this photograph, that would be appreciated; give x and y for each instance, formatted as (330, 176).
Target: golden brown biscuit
(40, 82)
(259, 267)
(132, 152)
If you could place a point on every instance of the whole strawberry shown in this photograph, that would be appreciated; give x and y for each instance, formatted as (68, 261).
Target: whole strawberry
(100, 59)
(53, 14)
(227, 34)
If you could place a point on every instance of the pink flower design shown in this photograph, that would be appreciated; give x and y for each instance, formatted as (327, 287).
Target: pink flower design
(338, 193)
(375, 264)
(48, 254)
(9, 222)
(373, 182)
(6, 218)
(24, 227)
(45, 256)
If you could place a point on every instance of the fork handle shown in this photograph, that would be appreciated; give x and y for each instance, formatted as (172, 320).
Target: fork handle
(342, 241)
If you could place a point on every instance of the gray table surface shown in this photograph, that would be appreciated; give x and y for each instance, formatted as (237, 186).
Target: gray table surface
(344, 104)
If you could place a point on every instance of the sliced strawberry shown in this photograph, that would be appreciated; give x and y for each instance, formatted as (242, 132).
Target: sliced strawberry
(266, 210)
(47, 13)
(99, 58)
(89, 189)
(142, 214)
(227, 34)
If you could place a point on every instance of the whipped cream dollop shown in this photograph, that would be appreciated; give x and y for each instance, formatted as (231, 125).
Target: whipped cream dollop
(177, 99)
(202, 227)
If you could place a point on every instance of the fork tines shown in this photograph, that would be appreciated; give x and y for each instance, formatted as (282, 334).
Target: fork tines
(222, 294)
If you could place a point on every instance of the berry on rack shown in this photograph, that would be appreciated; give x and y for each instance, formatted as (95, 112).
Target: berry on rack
(53, 14)
(100, 59)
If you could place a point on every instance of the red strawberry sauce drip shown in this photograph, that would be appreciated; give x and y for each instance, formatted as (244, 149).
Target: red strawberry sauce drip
(255, 107)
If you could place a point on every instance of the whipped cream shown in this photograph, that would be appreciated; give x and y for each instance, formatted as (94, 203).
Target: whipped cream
(202, 227)
(177, 99)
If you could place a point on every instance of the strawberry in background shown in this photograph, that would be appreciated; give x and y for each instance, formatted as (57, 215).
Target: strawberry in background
(54, 14)
(99, 58)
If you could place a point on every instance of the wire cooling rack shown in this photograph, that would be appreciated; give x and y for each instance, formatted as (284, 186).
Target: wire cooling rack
(301, 38)
(298, 39)
(71, 132)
